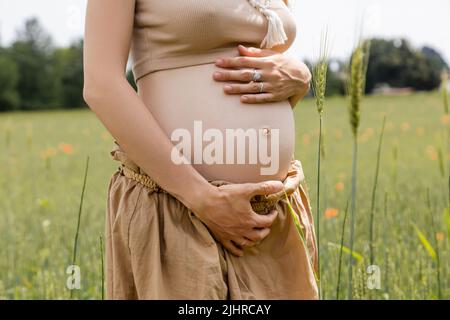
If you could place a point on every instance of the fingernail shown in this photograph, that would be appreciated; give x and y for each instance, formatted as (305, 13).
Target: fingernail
(242, 47)
(228, 88)
(244, 99)
(217, 75)
(219, 61)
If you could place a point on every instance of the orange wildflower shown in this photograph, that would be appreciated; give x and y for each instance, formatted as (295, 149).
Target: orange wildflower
(66, 148)
(331, 213)
(439, 236)
(339, 186)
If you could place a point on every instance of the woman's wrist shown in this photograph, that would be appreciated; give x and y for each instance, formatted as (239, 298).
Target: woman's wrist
(197, 196)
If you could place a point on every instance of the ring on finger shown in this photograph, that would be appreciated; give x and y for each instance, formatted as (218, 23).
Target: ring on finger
(257, 76)
(261, 87)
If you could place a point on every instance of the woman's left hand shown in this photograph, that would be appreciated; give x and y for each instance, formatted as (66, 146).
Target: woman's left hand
(282, 77)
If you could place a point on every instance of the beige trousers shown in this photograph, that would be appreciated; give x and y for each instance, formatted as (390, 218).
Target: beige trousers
(158, 249)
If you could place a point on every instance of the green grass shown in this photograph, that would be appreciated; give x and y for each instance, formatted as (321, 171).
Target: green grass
(40, 198)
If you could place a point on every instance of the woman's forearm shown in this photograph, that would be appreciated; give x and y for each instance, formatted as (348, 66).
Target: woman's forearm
(130, 122)
(120, 109)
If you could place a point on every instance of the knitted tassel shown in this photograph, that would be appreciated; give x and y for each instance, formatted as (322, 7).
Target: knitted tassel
(275, 31)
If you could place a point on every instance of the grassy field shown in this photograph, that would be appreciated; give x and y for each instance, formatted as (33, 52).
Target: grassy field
(42, 165)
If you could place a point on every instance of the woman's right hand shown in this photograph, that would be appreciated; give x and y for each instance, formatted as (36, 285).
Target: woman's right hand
(229, 216)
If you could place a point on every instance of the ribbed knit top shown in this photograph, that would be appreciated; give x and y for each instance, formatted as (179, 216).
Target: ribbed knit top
(180, 33)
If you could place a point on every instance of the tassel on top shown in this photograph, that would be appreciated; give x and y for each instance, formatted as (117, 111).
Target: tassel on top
(275, 33)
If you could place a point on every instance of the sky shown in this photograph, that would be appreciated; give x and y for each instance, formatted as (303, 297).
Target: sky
(423, 22)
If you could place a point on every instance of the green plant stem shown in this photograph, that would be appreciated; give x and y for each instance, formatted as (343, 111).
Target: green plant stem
(318, 200)
(386, 246)
(352, 217)
(374, 190)
(103, 268)
(436, 243)
(341, 251)
(75, 244)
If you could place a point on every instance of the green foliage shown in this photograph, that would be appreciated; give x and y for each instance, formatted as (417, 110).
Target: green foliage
(426, 244)
(39, 76)
(397, 64)
(335, 82)
(336, 79)
(32, 53)
(130, 78)
(357, 82)
(320, 73)
(444, 90)
(39, 205)
(68, 64)
(36, 75)
(355, 255)
(9, 76)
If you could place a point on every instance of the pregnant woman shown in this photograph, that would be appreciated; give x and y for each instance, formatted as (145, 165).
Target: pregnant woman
(198, 208)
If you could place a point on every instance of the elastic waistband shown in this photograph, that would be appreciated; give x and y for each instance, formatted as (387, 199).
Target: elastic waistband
(260, 204)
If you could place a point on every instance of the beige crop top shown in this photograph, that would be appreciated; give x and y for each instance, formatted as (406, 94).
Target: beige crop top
(180, 33)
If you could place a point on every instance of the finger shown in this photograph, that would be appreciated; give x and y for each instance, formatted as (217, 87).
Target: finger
(294, 177)
(257, 235)
(258, 98)
(254, 52)
(244, 75)
(291, 183)
(265, 221)
(241, 62)
(251, 243)
(253, 87)
(244, 242)
(232, 248)
(264, 188)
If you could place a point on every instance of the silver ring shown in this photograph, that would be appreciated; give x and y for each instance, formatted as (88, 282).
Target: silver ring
(261, 87)
(256, 75)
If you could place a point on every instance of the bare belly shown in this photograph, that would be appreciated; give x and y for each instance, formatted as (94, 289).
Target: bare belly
(222, 138)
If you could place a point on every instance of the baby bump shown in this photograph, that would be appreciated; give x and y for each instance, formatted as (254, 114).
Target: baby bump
(221, 137)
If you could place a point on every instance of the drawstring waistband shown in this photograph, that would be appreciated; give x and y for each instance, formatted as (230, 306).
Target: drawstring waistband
(260, 204)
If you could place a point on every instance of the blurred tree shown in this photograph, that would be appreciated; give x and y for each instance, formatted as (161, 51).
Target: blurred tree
(9, 76)
(68, 68)
(397, 64)
(336, 78)
(32, 53)
(436, 65)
